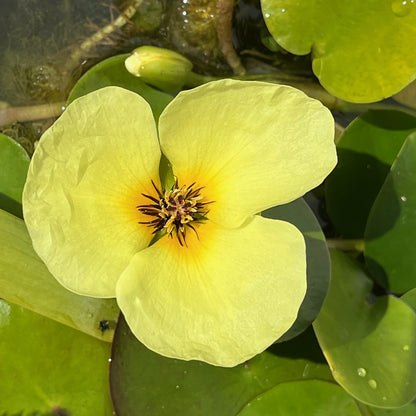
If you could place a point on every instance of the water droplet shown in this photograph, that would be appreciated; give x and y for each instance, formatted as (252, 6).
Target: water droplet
(362, 372)
(372, 383)
(406, 348)
(109, 360)
(403, 198)
(283, 10)
(402, 8)
(177, 387)
(267, 15)
(185, 372)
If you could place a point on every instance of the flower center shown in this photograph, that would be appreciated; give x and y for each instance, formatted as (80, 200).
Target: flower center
(175, 210)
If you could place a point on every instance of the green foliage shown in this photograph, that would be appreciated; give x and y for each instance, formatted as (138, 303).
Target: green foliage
(352, 326)
(311, 397)
(143, 382)
(25, 281)
(391, 228)
(112, 71)
(14, 163)
(50, 369)
(366, 151)
(361, 51)
(317, 258)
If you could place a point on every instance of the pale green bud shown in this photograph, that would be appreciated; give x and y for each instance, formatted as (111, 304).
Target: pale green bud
(162, 68)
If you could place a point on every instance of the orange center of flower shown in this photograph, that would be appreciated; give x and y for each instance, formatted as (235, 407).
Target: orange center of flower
(175, 210)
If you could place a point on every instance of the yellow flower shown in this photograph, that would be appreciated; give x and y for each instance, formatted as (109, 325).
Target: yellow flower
(223, 283)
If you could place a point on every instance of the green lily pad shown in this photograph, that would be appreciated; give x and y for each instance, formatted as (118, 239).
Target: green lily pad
(366, 151)
(369, 344)
(50, 369)
(112, 71)
(25, 281)
(14, 163)
(408, 410)
(317, 260)
(300, 398)
(361, 51)
(410, 298)
(147, 384)
(391, 229)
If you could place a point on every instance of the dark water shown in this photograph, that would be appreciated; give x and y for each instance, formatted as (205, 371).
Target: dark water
(36, 39)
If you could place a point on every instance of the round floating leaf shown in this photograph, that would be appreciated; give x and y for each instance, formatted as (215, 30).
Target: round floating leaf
(14, 163)
(300, 398)
(408, 410)
(50, 369)
(369, 346)
(112, 71)
(147, 384)
(391, 229)
(366, 151)
(317, 260)
(361, 51)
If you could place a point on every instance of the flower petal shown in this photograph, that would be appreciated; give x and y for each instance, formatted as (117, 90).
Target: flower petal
(252, 145)
(224, 298)
(84, 183)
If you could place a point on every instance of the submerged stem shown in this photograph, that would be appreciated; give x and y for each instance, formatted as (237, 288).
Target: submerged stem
(224, 33)
(101, 34)
(346, 245)
(30, 113)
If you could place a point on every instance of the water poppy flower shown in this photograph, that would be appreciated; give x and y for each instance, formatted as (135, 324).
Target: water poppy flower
(223, 283)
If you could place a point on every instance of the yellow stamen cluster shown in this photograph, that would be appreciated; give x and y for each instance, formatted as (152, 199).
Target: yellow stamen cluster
(177, 208)
(174, 210)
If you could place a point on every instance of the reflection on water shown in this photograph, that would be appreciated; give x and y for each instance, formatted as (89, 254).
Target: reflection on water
(46, 45)
(39, 37)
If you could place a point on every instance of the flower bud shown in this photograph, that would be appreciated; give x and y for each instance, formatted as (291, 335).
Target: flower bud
(162, 68)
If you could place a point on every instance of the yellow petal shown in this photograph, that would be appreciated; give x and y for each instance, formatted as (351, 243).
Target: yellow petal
(84, 183)
(224, 298)
(252, 145)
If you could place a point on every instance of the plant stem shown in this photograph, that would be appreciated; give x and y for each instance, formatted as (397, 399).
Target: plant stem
(346, 245)
(30, 113)
(101, 34)
(224, 34)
